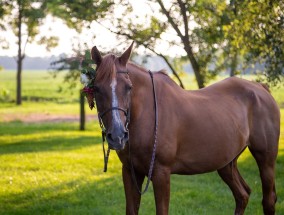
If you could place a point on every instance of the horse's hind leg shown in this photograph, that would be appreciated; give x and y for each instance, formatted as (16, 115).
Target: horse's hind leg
(238, 186)
(266, 165)
(264, 123)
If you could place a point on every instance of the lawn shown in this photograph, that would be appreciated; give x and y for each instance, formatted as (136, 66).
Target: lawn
(52, 168)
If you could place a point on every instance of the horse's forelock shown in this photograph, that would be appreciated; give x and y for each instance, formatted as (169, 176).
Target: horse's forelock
(106, 71)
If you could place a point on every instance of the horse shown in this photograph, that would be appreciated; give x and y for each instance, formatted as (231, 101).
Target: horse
(158, 129)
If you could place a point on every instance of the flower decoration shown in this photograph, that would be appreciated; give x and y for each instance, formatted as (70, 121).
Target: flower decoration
(88, 74)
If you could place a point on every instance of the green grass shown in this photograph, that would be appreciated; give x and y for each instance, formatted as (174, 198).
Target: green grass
(55, 169)
(51, 168)
(41, 94)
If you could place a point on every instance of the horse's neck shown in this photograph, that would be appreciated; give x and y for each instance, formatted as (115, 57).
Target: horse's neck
(142, 91)
(138, 76)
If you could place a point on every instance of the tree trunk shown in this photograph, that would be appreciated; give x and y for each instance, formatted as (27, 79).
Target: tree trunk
(19, 83)
(19, 59)
(234, 64)
(195, 66)
(185, 38)
(82, 112)
(173, 70)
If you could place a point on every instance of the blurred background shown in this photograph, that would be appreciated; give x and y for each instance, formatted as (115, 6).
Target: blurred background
(50, 146)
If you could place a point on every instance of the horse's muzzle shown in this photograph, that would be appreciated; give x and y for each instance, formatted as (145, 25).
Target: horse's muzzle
(117, 140)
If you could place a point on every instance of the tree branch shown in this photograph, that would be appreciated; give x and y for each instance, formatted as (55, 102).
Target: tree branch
(170, 19)
(24, 49)
(152, 50)
(173, 70)
(185, 19)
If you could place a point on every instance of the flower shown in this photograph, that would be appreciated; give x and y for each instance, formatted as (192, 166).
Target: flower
(85, 79)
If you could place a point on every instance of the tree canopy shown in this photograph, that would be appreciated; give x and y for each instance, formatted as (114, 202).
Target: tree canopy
(24, 17)
(214, 35)
(257, 31)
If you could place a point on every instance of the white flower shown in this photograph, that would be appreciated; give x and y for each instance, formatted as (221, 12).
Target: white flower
(85, 79)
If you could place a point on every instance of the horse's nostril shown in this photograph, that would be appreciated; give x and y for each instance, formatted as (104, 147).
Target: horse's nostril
(109, 136)
(117, 138)
(126, 135)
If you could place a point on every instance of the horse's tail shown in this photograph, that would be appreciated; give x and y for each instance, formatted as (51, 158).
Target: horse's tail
(265, 86)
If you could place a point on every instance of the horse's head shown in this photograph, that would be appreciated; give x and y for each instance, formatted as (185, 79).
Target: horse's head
(112, 88)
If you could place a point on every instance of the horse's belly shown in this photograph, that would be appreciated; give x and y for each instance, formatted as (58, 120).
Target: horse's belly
(206, 157)
(198, 166)
(210, 141)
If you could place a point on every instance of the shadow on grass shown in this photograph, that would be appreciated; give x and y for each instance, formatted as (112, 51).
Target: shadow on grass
(49, 144)
(20, 128)
(43, 137)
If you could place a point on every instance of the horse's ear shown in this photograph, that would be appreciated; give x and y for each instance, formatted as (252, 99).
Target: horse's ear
(96, 55)
(123, 59)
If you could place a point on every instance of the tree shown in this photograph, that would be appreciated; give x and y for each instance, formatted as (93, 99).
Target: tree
(214, 35)
(74, 67)
(77, 15)
(256, 29)
(194, 26)
(24, 17)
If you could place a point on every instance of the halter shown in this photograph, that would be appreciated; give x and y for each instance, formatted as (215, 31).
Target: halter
(127, 114)
(101, 115)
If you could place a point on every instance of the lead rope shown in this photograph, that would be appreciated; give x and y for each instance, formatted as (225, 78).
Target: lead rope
(106, 154)
(154, 147)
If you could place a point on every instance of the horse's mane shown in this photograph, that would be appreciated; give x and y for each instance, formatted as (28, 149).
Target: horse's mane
(106, 70)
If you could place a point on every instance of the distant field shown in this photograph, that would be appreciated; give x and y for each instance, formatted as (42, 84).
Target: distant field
(41, 93)
(41, 86)
(38, 86)
(52, 168)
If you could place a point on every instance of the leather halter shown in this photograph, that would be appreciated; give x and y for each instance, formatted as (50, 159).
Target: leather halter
(127, 114)
(101, 115)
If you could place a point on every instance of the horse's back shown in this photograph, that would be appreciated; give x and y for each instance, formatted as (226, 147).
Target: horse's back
(254, 96)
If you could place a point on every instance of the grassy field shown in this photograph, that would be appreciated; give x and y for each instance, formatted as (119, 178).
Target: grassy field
(52, 168)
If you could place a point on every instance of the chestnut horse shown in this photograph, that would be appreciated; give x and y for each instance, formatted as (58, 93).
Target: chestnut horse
(196, 131)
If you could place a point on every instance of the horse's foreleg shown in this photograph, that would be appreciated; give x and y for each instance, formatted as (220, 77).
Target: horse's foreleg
(132, 195)
(161, 185)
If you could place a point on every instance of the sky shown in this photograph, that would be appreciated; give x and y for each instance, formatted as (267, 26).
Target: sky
(56, 27)
(103, 38)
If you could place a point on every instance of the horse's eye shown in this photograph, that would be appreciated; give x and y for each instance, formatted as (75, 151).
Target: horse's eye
(97, 89)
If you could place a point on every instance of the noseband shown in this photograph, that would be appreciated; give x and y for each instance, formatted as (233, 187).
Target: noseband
(126, 113)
